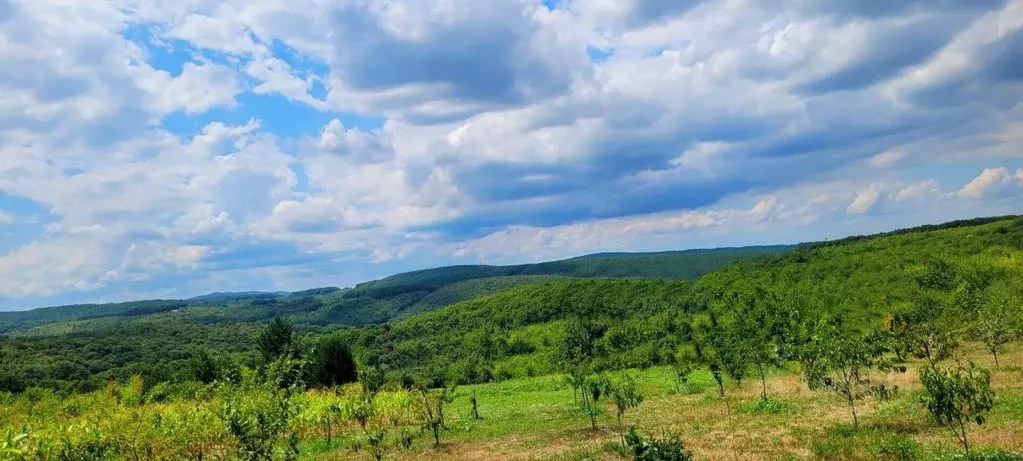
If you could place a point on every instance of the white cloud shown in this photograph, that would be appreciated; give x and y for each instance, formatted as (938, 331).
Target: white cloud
(865, 200)
(991, 182)
(887, 158)
(197, 89)
(654, 230)
(493, 116)
(5, 218)
(922, 189)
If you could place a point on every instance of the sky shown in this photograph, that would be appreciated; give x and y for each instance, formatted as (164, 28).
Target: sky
(157, 149)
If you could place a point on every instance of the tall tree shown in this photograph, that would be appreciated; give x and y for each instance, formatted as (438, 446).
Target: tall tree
(753, 333)
(331, 363)
(276, 339)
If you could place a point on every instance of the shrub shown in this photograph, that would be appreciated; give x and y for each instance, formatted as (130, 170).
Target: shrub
(898, 449)
(957, 396)
(767, 407)
(666, 448)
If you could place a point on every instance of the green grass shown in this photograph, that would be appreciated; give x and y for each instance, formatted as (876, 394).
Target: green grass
(535, 418)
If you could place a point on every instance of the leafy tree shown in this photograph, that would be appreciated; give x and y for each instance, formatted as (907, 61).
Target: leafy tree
(577, 345)
(752, 335)
(685, 362)
(432, 411)
(938, 274)
(841, 362)
(626, 396)
(957, 396)
(372, 379)
(276, 339)
(1000, 321)
(714, 348)
(594, 387)
(331, 363)
(259, 414)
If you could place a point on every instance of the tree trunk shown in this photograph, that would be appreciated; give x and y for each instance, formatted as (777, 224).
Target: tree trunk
(475, 411)
(590, 409)
(621, 431)
(995, 352)
(966, 444)
(329, 433)
(852, 404)
(763, 382)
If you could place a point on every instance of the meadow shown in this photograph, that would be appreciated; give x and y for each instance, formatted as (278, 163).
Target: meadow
(538, 418)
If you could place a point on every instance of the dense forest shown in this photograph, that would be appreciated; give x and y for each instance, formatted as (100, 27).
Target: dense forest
(266, 376)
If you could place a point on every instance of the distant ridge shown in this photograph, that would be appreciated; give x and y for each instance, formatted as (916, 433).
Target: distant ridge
(240, 294)
(403, 294)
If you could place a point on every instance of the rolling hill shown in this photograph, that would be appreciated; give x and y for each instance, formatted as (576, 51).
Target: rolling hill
(427, 323)
(398, 295)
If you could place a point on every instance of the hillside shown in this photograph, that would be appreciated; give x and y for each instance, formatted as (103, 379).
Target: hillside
(382, 300)
(859, 279)
(83, 346)
(745, 360)
(637, 321)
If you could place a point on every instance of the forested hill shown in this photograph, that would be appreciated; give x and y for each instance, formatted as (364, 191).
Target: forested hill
(687, 264)
(437, 322)
(639, 322)
(380, 301)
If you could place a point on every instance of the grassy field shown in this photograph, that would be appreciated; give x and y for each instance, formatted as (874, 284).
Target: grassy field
(535, 418)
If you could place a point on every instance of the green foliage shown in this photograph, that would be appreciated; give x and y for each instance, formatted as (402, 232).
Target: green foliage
(686, 362)
(260, 414)
(331, 363)
(957, 396)
(276, 340)
(665, 448)
(767, 407)
(899, 449)
(625, 396)
(841, 361)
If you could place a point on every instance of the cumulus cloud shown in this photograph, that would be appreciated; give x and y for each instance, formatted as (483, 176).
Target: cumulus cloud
(176, 142)
(920, 190)
(865, 200)
(992, 182)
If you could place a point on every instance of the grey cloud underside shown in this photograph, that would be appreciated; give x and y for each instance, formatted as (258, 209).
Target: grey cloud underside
(892, 51)
(480, 61)
(992, 82)
(646, 12)
(874, 9)
(1002, 61)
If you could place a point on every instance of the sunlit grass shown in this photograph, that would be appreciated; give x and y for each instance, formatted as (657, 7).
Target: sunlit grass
(535, 418)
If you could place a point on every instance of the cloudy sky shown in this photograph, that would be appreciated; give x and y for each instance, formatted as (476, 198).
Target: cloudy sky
(168, 148)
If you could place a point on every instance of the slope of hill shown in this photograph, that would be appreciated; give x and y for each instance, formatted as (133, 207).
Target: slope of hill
(398, 295)
(637, 321)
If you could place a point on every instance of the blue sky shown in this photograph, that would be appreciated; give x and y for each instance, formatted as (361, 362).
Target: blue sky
(169, 149)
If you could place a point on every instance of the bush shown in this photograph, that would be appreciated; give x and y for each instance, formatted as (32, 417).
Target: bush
(767, 407)
(898, 449)
(666, 448)
(981, 455)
